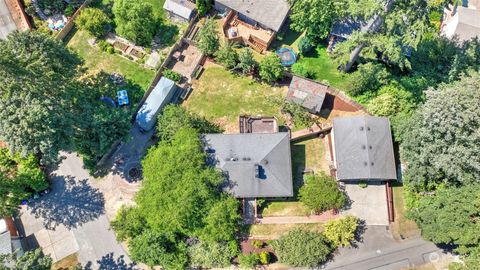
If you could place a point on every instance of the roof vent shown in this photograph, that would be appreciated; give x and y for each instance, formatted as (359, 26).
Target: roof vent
(365, 163)
(368, 128)
(233, 159)
(246, 159)
(370, 147)
(364, 147)
(371, 164)
(361, 128)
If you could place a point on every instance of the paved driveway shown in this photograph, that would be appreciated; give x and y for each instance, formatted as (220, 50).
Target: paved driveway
(369, 204)
(72, 219)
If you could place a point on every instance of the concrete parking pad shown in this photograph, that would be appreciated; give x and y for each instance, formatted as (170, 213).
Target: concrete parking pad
(368, 204)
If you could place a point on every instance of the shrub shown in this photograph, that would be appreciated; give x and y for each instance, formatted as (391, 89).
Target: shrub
(227, 56)
(247, 64)
(363, 184)
(208, 39)
(257, 243)
(270, 68)
(93, 20)
(368, 77)
(248, 261)
(172, 75)
(110, 49)
(300, 248)
(300, 116)
(305, 45)
(264, 257)
(341, 232)
(303, 71)
(69, 11)
(320, 193)
(203, 6)
(210, 255)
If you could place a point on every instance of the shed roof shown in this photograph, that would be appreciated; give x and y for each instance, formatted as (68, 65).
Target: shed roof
(182, 8)
(307, 93)
(255, 164)
(271, 13)
(346, 27)
(363, 148)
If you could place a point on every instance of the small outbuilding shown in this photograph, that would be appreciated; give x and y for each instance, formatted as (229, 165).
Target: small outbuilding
(307, 93)
(462, 23)
(181, 10)
(363, 148)
(255, 165)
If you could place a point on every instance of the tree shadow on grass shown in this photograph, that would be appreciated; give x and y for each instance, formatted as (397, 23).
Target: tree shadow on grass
(70, 203)
(109, 262)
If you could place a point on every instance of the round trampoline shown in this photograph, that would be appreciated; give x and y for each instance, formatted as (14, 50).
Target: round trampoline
(287, 56)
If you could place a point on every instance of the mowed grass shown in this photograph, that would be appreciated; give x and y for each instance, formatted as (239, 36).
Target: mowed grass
(222, 97)
(274, 231)
(96, 60)
(402, 227)
(157, 6)
(323, 68)
(306, 154)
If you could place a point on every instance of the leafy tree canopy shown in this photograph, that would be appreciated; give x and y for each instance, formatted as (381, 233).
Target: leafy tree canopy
(203, 6)
(93, 20)
(211, 254)
(270, 68)
(440, 142)
(29, 260)
(300, 248)
(227, 55)
(38, 85)
(320, 193)
(208, 42)
(135, 20)
(246, 62)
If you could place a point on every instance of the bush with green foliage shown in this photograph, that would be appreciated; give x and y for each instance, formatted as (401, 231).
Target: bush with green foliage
(19, 178)
(175, 117)
(440, 142)
(172, 75)
(264, 257)
(300, 248)
(227, 55)
(211, 254)
(203, 6)
(208, 42)
(246, 62)
(32, 260)
(257, 244)
(363, 184)
(248, 261)
(270, 68)
(303, 71)
(305, 45)
(93, 20)
(69, 10)
(368, 77)
(341, 232)
(320, 193)
(135, 21)
(300, 116)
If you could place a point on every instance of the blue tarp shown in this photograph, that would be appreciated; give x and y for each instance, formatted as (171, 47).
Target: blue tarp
(160, 96)
(122, 97)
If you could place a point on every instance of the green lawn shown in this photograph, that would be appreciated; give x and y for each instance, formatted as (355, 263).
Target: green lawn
(274, 231)
(96, 60)
(323, 68)
(222, 97)
(157, 6)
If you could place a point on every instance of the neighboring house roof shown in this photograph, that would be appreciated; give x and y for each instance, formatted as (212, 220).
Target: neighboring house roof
(182, 8)
(346, 27)
(363, 148)
(464, 25)
(307, 93)
(160, 96)
(12, 18)
(255, 164)
(5, 239)
(271, 13)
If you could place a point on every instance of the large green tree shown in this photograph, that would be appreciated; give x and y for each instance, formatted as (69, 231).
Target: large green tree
(36, 94)
(191, 205)
(440, 143)
(93, 20)
(270, 68)
(450, 216)
(300, 248)
(135, 21)
(208, 41)
(320, 193)
(341, 232)
(227, 55)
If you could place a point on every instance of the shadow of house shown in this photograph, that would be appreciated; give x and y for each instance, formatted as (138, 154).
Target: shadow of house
(71, 203)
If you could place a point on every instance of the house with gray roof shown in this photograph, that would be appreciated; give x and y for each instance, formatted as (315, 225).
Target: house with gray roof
(254, 164)
(268, 14)
(307, 93)
(462, 23)
(363, 148)
(180, 10)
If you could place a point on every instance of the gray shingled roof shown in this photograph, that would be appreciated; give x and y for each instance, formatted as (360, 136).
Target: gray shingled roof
(255, 165)
(363, 148)
(271, 13)
(5, 243)
(182, 8)
(346, 27)
(307, 93)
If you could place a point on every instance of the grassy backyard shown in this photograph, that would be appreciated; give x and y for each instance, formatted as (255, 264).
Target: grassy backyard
(96, 60)
(221, 97)
(273, 231)
(306, 154)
